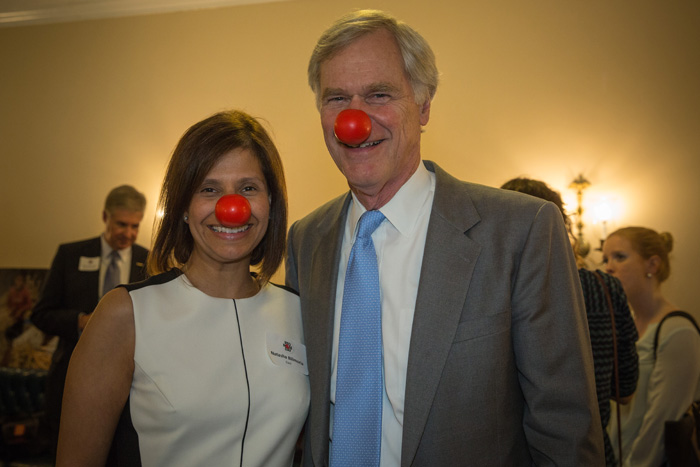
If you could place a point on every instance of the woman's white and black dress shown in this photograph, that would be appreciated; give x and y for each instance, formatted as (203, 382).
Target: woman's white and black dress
(217, 382)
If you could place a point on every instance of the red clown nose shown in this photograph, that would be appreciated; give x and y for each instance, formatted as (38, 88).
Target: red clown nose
(352, 127)
(232, 210)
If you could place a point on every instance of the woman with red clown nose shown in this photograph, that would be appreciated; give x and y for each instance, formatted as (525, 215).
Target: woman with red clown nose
(203, 363)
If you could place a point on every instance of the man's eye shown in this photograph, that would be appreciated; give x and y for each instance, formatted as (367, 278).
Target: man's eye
(378, 97)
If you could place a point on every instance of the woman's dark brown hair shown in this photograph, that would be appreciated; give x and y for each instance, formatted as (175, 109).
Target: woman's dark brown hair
(196, 153)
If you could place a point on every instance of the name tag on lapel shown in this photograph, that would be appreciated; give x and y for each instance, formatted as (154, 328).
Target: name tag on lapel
(89, 264)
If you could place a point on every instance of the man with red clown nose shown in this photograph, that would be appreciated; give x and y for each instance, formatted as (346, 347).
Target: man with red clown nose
(444, 320)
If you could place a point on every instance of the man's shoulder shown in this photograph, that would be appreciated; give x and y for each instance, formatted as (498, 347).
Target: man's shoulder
(139, 250)
(93, 246)
(506, 199)
(485, 199)
(81, 245)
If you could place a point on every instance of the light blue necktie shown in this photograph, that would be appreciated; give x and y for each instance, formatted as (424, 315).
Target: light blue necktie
(357, 424)
(112, 275)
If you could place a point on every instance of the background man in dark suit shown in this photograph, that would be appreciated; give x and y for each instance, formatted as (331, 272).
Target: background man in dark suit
(80, 274)
(485, 352)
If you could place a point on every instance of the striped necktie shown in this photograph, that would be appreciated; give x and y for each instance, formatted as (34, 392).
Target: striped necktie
(112, 274)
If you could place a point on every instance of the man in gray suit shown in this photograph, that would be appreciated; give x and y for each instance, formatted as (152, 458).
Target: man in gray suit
(485, 352)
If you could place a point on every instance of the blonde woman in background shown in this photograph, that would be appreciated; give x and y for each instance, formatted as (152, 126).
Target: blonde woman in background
(668, 384)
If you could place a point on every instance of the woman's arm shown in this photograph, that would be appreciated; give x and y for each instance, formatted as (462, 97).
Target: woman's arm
(98, 383)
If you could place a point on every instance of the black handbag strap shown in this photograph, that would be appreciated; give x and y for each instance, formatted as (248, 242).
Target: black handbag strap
(669, 315)
(617, 373)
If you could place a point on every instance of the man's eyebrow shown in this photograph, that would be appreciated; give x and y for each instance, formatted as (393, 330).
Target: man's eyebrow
(380, 87)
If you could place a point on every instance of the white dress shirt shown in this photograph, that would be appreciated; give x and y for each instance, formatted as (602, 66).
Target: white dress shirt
(399, 242)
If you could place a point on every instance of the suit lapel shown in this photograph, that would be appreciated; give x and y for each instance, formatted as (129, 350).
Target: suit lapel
(92, 283)
(321, 306)
(137, 265)
(448, 263)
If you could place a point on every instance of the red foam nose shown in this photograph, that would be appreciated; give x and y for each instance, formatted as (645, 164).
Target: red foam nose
(232, 210)
(352, 126)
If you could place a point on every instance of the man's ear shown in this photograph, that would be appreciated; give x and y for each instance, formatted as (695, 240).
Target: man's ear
(425, 112)
(104, 216)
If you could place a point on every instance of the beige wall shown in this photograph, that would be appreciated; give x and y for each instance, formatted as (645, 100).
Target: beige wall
(542, 88)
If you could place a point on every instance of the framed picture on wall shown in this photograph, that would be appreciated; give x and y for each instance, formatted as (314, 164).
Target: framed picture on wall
(22, 345)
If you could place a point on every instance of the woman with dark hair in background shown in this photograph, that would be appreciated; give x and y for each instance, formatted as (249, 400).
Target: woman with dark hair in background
(669, 381)
(600, 324)
(204, 362)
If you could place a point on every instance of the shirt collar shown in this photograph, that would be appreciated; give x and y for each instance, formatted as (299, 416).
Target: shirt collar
(403, 209)
(107, 250)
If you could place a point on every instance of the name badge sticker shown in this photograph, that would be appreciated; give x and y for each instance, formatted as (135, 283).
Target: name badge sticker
(89, 264)
(287, 353)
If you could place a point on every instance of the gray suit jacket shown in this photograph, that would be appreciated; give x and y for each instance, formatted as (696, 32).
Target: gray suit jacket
(500, 370)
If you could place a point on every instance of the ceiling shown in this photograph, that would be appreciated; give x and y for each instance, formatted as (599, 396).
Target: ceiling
(25, 12)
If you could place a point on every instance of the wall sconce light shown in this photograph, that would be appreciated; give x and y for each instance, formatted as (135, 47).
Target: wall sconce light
(579, 184)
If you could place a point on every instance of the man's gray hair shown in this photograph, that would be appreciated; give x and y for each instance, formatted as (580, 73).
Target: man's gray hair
(125, 197)
(418, 57)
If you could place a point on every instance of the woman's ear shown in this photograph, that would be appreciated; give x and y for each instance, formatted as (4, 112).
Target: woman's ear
(653, 265)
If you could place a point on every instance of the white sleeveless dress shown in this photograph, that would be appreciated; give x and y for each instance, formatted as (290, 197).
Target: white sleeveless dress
(217, 382)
